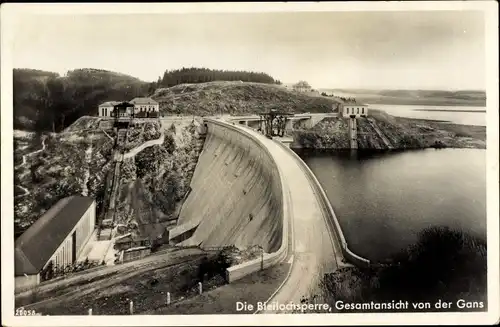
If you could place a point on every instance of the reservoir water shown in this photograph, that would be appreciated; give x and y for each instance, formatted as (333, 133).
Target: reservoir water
(465, 115)
(382, 200)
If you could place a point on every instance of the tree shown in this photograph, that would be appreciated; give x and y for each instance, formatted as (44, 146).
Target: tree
(169, 143)
(443, 264)
(45, 101)
(203, 75)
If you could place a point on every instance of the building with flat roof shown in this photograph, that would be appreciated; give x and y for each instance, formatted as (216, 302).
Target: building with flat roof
(145, 107)
(56, 238)
(352, 109)
(106, 109)
(138, 107)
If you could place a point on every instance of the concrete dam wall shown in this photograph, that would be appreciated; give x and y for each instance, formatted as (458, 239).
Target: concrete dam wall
(236, 194)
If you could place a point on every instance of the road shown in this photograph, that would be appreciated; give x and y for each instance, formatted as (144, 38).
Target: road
(314, 249)
(79, 284)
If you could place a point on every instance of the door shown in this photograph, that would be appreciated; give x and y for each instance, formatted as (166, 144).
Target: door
(73, 247)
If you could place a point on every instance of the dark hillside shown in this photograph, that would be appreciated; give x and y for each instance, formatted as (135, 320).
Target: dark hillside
(45, 101)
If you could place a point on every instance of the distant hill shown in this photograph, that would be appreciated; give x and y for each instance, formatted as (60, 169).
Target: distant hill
(46, 101)
(415, 97)
(236, 98)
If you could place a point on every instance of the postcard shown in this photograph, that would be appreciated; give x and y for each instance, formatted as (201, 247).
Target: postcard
(322, 163)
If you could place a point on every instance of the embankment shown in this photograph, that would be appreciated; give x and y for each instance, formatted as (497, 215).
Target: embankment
(236, 196)
(381, 131)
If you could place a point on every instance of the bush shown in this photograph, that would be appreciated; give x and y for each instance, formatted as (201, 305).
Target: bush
(215, 267)
(147, 160)
(151, 131)
(53, 271)
(408, 141)
(444, 264)
(169, 143)
(462, 134)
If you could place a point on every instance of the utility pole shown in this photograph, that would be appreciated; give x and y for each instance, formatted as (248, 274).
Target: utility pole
(261, 257)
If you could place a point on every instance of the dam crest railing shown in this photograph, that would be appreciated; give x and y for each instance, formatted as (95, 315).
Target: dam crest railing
(327, 207)
(268, 259)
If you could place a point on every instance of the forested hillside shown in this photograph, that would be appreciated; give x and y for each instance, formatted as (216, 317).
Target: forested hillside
(45, 101)
(203, 75)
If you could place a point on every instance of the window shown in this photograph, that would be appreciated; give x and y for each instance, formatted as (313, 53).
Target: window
(362, 111)
(358, 111)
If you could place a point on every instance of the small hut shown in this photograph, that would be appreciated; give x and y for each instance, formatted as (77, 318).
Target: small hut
(123, 113)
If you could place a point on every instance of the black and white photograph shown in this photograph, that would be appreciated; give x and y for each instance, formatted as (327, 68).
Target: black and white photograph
(265, 163)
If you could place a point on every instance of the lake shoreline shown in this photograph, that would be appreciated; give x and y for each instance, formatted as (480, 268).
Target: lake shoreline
(450, 110)
(391, 195)
(382, 131)
(362, 153)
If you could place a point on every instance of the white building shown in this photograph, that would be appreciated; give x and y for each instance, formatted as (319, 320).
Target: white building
(354, 110)
(106, 109)
(145, 105)
(57, 237)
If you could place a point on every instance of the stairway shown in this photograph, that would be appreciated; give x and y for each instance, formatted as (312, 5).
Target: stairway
(386, 141)
(353, 133)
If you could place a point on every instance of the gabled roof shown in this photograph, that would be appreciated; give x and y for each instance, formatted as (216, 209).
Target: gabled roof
(109, 104)
(39, 242)
(143, 101)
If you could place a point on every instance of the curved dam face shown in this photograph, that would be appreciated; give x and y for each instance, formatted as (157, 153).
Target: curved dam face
(236, 194)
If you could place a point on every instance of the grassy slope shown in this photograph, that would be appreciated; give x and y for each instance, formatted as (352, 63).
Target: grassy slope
(236, 98)
(403, 133)
(146, 285)
(256, 287)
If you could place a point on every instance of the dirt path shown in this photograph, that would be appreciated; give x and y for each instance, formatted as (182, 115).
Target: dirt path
(88, 157)
(34, 152)
(26, 191)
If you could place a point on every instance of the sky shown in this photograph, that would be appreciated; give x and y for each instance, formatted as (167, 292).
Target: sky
(373, 50)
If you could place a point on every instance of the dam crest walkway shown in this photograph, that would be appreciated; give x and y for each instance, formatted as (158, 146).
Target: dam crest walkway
(314, 249)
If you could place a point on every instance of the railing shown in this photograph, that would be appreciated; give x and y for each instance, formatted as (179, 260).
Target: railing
(268, 259)
(142, 146)
(217, 248)
(326, 206)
